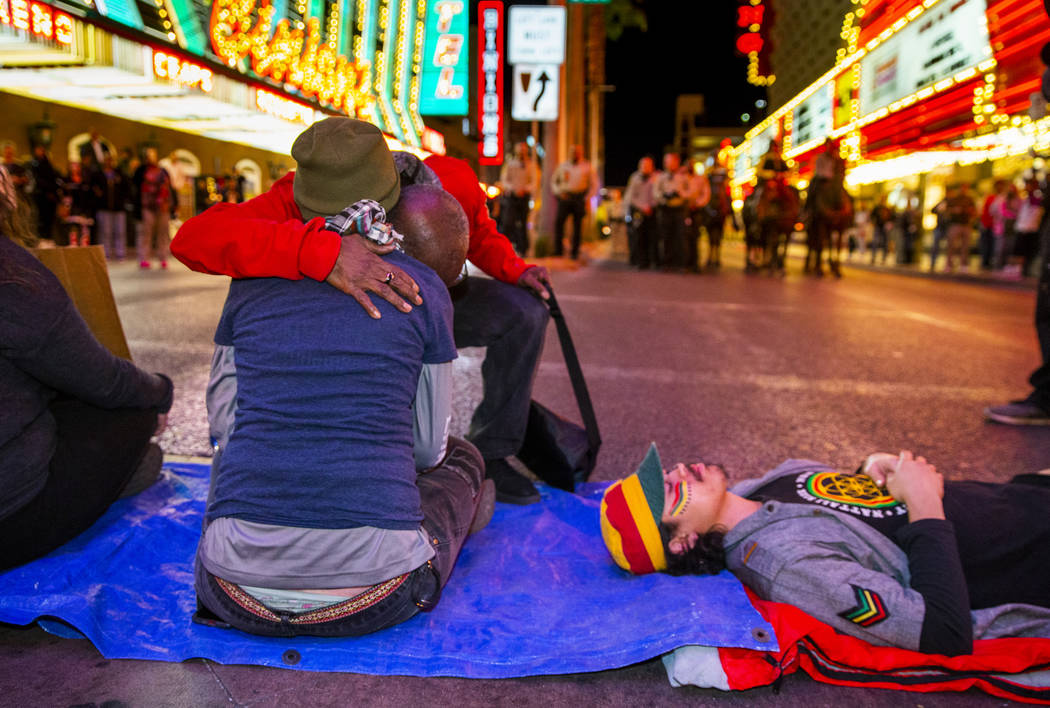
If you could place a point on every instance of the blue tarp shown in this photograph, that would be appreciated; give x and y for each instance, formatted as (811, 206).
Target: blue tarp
(533, 593)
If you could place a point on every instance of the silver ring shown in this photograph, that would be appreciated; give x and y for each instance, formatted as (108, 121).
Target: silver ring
(389, 278)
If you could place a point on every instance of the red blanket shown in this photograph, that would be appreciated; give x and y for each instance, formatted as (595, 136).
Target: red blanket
(1015, 668)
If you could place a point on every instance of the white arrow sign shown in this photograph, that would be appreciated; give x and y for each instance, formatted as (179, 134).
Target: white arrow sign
(535, 92)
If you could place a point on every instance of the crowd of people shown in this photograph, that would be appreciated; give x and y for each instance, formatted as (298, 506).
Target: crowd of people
(994, 232)
(115, 199)
(670, 212)
(666, 210)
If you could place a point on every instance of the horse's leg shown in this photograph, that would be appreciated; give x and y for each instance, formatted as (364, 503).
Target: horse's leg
(772, 245)
(820, 238)
(835, 252)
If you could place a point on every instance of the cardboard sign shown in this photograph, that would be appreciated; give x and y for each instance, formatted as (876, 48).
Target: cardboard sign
(82, 272)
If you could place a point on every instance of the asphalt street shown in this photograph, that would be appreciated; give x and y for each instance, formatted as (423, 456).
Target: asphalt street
(742, 370)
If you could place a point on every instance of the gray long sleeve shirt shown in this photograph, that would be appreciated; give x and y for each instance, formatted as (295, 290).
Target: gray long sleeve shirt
(843, 572)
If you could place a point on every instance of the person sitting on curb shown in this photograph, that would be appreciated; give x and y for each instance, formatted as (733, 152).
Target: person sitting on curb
(77, 420)
(274, 235)
(893, 555)
(325, 517)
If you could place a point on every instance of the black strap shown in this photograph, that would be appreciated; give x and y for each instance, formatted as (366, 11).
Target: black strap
(572, 362)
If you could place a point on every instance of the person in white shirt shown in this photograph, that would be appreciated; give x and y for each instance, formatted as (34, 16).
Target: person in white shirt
(671, 189)
(697, 196)
(574, 181)
(519, 180)
(640, 203)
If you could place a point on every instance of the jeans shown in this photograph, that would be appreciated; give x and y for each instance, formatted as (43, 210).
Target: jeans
(449, 496)
(512, 323)
(96, 453)
(573, 205)
(935, 247)
(513, 221)
(111, 232)
(1040, 378)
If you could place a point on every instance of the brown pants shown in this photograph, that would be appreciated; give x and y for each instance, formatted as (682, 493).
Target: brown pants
(958, 244)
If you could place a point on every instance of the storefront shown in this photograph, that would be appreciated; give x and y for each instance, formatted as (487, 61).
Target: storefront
(925, 92)
(223, 88)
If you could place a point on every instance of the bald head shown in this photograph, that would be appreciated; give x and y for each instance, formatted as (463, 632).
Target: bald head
(435, 228)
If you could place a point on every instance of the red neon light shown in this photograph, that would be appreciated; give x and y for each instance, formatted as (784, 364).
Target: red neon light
(749, 42)
(747, 15)
(38, 19)
(490, 81)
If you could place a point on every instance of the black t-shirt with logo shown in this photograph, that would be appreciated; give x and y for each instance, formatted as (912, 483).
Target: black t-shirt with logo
(1002, 531)
(854, 494)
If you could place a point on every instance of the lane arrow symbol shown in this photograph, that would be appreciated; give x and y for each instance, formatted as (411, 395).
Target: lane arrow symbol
(543, 79)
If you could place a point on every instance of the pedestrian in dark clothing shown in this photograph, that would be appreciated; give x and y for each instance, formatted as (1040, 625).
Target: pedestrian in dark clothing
(18, 173)
(882, 217)
(114, 203)
(46, 183)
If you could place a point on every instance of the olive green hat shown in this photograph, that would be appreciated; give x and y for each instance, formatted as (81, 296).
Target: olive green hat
(341, 161)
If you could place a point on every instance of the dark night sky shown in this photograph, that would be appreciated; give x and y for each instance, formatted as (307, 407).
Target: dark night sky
(688, 48)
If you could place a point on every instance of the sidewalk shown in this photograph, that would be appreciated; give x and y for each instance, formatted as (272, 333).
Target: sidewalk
(922, 270)
(606, 252)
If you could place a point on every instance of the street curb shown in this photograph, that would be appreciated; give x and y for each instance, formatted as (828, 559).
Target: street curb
(1026, 284)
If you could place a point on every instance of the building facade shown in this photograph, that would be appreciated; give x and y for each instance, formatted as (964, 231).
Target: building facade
(926, 92)
(806, 36)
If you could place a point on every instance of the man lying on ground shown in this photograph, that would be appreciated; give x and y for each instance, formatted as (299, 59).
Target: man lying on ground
(893, 555)
(317, 521)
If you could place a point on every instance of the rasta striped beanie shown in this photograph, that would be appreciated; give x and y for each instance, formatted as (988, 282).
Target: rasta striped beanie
(630, 518)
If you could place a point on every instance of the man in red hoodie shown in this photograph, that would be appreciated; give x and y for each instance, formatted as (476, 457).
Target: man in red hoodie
(268, 236)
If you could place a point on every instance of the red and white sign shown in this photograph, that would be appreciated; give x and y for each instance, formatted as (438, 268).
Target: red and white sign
(490, 81)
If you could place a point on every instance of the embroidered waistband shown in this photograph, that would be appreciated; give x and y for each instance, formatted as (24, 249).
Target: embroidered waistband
(339, 610)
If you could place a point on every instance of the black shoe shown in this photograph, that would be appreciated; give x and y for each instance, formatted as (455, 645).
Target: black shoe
(511, 486)
(1018, 413)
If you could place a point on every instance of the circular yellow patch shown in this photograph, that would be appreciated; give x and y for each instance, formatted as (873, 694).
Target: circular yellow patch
(857, 490)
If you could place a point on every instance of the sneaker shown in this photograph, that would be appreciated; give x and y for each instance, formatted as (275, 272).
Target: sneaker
(1018, 413)
(144, 264)
(511, 486)
(487, 504)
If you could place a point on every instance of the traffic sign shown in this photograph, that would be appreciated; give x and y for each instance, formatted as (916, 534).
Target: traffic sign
(536, 34)
(535, 92)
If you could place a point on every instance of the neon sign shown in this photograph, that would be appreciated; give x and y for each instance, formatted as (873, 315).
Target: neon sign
(490, 88)
(754, 18)
(444, 90)
(38, 20)
(295, 57)
(181, 72)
